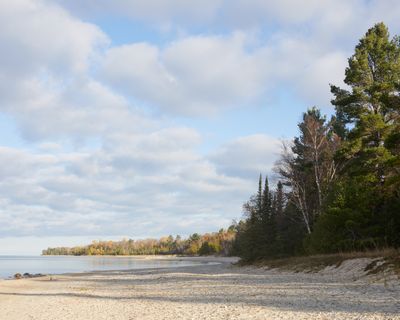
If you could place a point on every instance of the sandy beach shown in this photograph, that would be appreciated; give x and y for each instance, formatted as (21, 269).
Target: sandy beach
(211, 291)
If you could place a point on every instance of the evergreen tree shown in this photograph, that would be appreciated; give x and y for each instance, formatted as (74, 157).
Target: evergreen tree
(268, 222)
(249, 242)
(266, 201)
(259, 199)
(372, 106)
(279, 203)
(362, 210)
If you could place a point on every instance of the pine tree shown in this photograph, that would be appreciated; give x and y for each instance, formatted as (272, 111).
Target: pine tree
(363, 208)
(249, 241)
(372, 106)
(268, 223)
(279, 203)
(266, 201)
(259, 207)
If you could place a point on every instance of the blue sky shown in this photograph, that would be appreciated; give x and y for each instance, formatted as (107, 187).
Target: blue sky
(141, 119)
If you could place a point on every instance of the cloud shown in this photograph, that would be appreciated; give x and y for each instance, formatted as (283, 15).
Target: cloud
(193, 76)
(182, 76)
(44, 72)
(246, 14)
(248, 156)
(37, 36)
(326, 69)
(74, 193)
(207, 75)
(153, 11)
(88, 109)
(96, 163)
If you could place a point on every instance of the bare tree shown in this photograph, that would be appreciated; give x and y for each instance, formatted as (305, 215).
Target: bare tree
(294, 178)
(308, 166)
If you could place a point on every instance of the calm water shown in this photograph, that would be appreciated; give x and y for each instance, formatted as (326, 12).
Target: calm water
(10, 265)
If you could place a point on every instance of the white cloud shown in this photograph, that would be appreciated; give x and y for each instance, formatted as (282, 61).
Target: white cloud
(247, 156)
(44, 82)
(324, 70)
(205, 75)
(36, 37)
(192, 76)
(141, 175)
(74, 193)
(183, 75)
(154, 11)
(81, 109)
(244, 14)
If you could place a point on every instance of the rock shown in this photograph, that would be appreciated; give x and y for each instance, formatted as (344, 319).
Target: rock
(28, 275)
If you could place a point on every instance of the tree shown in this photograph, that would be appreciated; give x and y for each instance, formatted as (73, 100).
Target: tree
(309, 166)
(259, 200)
(363, 208)
(249, 236)
(371, 108)
(267, 222)
(294, 177)
(279, 203)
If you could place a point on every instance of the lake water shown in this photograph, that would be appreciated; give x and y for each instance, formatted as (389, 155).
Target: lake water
(10, 265)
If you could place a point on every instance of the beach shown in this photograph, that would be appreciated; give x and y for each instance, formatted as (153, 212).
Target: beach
(217, 290)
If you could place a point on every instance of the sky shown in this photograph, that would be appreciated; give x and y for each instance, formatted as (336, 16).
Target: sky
(139, 119)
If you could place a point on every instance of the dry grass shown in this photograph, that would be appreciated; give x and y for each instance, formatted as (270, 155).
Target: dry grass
(382, 260)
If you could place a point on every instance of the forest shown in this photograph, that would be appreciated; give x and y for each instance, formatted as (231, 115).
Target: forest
(217, 243)
(338, 181)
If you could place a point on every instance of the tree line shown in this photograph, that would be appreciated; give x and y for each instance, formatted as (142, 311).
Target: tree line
(339, 179)
(218, 243)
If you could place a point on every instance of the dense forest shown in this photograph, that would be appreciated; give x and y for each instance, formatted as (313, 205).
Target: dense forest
(338, 181)
(339, 187)
(219, 243)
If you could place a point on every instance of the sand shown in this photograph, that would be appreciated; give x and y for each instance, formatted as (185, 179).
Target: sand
(217, 291)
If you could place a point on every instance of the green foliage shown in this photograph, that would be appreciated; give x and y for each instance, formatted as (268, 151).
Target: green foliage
(209, 248)
(270, 229)
(348, 224)
(342, 176)
(363, 210)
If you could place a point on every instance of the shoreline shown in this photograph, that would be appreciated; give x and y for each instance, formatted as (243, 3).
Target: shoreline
(205, 291)
(197, 259)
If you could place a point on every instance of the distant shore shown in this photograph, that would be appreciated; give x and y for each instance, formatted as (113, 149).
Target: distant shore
(205, 291)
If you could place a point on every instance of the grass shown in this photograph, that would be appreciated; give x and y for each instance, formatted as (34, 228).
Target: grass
(382, 260)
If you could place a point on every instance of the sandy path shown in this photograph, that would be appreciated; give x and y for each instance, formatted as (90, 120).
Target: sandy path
(201, 292)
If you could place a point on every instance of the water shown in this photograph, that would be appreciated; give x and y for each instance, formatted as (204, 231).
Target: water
(10, 265)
